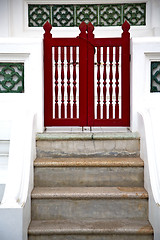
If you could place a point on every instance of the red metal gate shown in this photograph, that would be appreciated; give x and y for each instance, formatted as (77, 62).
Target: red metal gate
(87, 79)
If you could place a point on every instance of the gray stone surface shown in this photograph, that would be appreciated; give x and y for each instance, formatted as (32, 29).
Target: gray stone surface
(89, 203)
(87, 148)
(88, 176)
(87, 144)
(81, 197)
(87, 136)
(92, 230)
(89, 192)
(89, 162)
(91, 237)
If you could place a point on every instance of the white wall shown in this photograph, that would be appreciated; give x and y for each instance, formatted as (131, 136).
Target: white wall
(4, 18)
(14, 22)
(155, 17)
(15, 208)
(143, 51)
(150, 152)
(30, 52)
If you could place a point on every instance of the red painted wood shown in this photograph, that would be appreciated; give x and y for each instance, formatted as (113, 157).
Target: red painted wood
(56, 80)
(74, 84)
(90, 76)
(104, 82)
(111, 83)
(98, 83)
(84, 106)
(65, 42)
(117, 84)
(56, 43)
(86, 43)
(106, 42)
(62, 82)
(48, 106)
(68, 84)
(126, 73)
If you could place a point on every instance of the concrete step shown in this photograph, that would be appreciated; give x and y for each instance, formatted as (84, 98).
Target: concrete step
(89, 203)
(110, 229)
(89, 172)
(87, 144)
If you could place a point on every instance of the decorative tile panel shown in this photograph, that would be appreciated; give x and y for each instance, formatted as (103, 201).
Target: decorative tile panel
(110, 15)
(38, 15)
(63, 16)
(87, 13)
(98, 14)
(135, 14)
(155, 77)
(11, 77)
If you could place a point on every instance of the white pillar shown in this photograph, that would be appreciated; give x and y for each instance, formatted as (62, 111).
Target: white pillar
(156, 17)
(17, 17)
(4, 18)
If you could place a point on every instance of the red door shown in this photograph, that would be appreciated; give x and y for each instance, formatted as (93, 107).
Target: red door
(87, 79)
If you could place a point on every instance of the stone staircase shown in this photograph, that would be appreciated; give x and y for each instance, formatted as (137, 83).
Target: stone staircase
(89, 186)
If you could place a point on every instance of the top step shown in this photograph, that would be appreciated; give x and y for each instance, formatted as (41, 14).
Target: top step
(88, 144)
(87, 136)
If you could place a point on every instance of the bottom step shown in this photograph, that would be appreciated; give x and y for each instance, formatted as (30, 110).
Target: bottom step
(125, 229)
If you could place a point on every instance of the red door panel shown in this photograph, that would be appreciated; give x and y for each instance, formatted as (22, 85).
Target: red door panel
(87, 79)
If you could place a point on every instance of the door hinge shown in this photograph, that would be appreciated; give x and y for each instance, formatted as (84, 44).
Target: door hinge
(130, 57)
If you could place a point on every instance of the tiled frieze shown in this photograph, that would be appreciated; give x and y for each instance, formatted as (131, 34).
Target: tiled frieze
(11, 77)
(155, 76)
(98, 14)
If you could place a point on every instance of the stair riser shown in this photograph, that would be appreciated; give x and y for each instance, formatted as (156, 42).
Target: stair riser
(89, 176)
(86, 148)
(91, 237)
(59, 209)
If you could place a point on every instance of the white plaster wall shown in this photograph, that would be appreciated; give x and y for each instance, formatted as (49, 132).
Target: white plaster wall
(9, 222)
(143, 51)
(14, 19)
(148, 150)
(155, 17)
(4, 18)
(15, 208)
(30, 52)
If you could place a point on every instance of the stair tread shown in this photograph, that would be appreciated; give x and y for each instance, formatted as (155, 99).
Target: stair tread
(88, 136)
(88, 162)
(111, 226)
(89, 192)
